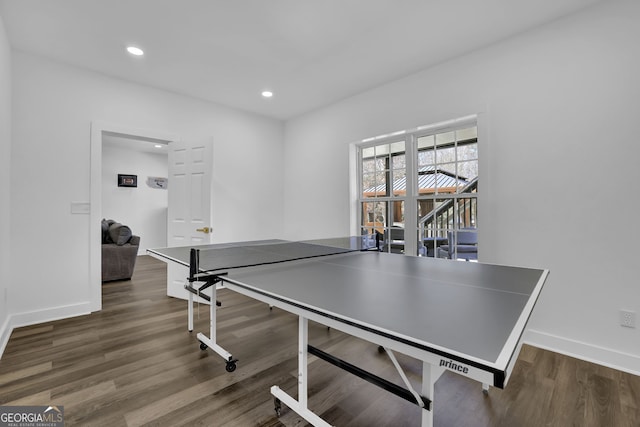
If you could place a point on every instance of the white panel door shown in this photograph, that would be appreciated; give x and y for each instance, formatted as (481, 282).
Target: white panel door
(189, 213)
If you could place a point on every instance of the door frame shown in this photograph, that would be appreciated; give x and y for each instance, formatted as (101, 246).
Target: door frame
(98, 128)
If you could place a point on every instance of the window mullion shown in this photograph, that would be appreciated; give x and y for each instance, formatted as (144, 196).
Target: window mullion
(411, 199)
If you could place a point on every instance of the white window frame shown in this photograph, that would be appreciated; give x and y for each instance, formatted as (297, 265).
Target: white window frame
(411, 196)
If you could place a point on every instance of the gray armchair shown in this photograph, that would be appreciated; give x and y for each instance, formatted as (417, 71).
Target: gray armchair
(461, 245)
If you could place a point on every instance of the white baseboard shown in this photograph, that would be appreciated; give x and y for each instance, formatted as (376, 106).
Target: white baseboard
(18, 320)
(5, 333)
(588, 352)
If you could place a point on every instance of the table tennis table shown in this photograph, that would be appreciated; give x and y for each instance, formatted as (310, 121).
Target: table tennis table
(464, 317)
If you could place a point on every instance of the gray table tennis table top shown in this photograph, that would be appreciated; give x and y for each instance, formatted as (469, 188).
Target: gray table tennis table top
(223, 256)
(469, 309)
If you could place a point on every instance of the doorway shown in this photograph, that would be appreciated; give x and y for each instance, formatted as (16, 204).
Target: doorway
(143, 208)
(114, 135)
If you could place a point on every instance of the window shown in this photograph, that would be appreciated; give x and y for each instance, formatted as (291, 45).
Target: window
(384, 190)
(422, 183)
(447, 203)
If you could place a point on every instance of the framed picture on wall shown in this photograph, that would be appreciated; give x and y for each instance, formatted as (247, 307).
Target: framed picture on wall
(127, 180)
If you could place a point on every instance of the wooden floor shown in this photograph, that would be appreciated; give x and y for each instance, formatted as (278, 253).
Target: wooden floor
(134, 364)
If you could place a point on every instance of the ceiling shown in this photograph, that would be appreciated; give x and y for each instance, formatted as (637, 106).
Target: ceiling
(309, 53)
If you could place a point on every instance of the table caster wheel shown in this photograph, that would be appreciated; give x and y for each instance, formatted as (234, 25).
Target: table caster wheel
(203, 346)
(231, 366)
(278, 406)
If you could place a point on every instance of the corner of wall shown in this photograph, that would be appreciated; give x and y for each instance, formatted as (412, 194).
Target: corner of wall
(17, 320)
(5, 177)
(5, 334)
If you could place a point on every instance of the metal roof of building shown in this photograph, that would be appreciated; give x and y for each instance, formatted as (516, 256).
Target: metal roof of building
(428, 176)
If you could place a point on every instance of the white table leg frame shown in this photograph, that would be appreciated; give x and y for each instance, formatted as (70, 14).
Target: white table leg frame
(300, 406)
(197, 292)
(419, 400)
(190, 311)
(430, 374)
(210, 341)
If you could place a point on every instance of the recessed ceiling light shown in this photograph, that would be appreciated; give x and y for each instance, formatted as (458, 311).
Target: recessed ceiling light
(135, 51)
(158, 145)
(267, 94)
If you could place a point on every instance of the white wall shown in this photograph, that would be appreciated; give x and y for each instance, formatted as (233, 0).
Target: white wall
(143, 209)
(54, 106)
(5, 169)
(561, 108)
